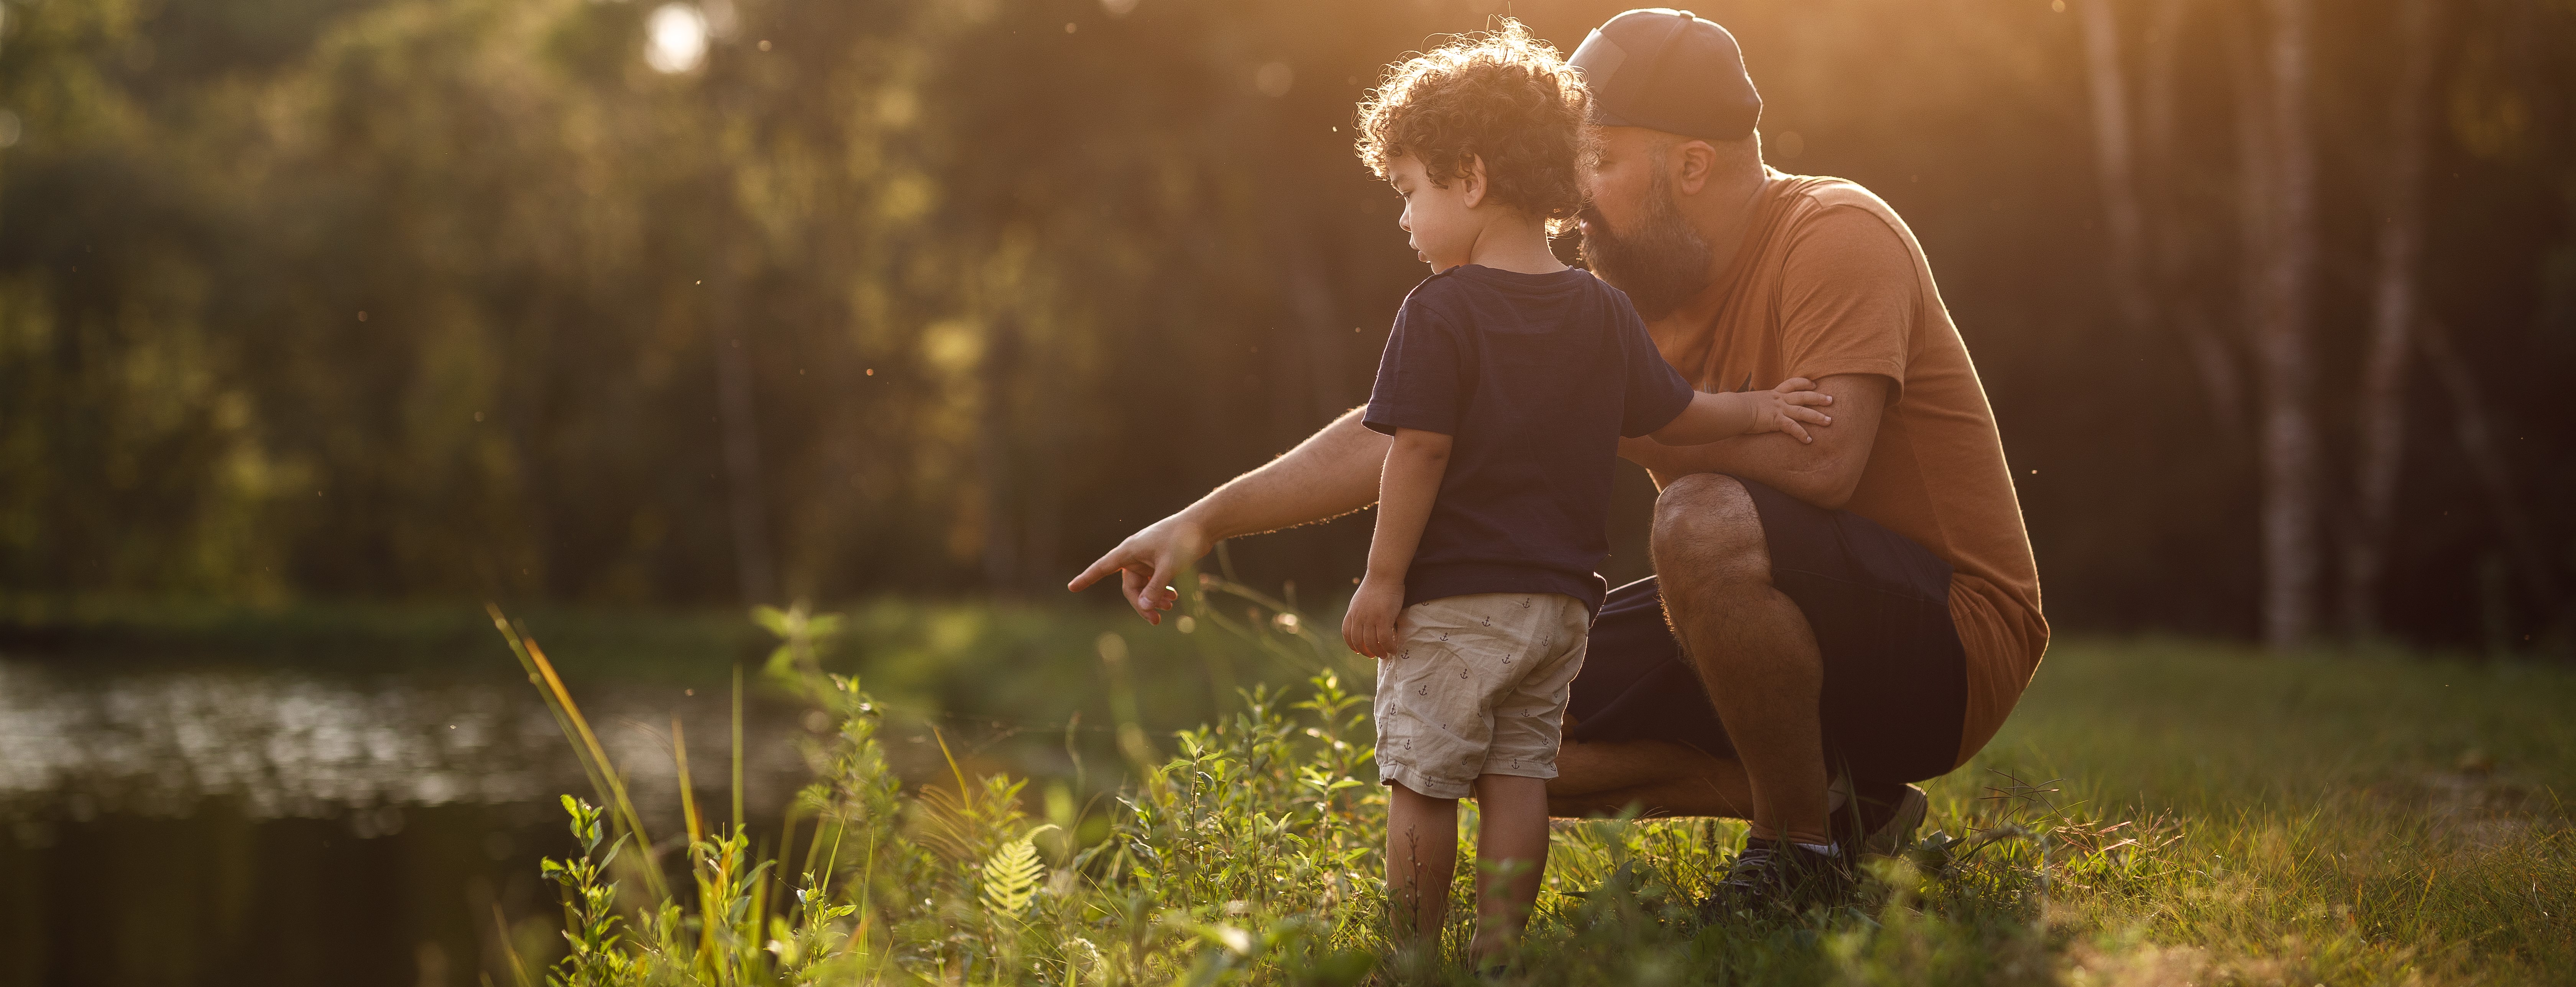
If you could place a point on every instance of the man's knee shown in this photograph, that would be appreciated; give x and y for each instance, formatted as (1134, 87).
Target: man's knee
(1706, 526)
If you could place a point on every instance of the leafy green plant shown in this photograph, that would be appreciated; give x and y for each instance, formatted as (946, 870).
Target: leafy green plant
(1249, 855)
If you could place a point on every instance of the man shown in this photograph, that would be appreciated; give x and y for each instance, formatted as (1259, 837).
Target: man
(1830, 621)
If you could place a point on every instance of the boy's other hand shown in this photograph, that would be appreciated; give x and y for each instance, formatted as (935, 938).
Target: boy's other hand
(1369, 627)
(1791, 407)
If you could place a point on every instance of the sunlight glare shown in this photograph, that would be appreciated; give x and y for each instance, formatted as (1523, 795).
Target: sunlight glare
(675, 38)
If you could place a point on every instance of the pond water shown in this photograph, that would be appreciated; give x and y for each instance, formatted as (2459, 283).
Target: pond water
(199, 825)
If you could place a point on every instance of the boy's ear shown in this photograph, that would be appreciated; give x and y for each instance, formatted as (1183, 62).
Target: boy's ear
(1474, 177)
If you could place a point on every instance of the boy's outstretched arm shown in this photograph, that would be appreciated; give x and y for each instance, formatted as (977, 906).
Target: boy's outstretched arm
(1410, 484)
(1718, 417)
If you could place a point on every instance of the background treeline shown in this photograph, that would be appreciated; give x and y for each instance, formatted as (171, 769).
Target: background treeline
(453, 299)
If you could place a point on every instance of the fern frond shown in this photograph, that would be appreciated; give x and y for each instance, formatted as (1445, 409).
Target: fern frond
(1011, 877)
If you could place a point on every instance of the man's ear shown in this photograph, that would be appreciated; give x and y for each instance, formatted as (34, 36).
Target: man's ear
(1475, 182)
(1693, 164)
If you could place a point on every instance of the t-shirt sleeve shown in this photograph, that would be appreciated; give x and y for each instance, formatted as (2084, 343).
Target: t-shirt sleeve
(1656, 392)
(1421, 381)
(1848, 298)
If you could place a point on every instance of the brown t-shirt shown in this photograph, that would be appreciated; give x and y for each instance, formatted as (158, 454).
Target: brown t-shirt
(1829, 281)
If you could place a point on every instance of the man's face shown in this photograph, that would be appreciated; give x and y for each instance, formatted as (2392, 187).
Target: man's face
(1634, 233)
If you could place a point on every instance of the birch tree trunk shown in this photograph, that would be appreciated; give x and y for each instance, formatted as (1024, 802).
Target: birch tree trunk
(2114, 166)
(2381, 411)
(2170, 241)
(2140, 274)
(2281, 192)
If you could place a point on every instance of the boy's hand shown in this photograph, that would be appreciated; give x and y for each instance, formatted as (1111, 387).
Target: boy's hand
(1369, 627)
(1790, 408)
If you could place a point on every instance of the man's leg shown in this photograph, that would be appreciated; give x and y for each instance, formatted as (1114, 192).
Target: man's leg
(1421, 861)
(1715, 569)
(1660, 778)
(1511, 853)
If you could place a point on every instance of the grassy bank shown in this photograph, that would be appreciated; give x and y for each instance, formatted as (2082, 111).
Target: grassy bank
(2155, 813)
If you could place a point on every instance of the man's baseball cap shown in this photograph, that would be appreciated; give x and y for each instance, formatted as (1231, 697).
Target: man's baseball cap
(1668, 70)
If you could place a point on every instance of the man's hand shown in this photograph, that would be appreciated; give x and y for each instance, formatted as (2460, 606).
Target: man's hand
(1146, 563)
(1328, 475)
(1369, 627)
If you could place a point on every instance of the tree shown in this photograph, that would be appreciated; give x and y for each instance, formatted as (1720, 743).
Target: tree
(2380, 412)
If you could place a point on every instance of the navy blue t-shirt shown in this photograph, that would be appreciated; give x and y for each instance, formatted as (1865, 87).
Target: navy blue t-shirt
(1535, 377)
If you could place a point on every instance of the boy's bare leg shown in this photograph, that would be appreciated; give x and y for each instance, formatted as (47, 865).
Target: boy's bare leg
(1511, 854)
(1421, 861)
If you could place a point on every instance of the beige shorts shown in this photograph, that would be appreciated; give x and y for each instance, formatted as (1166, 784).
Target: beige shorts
(1477, 687)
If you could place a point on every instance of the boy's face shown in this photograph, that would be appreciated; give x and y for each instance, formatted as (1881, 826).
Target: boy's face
(1443, 222)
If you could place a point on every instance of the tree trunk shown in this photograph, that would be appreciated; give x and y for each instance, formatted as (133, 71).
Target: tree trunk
(2114, 166)
(2173, 247)
(2487, 460)
(2281, 186)
(2139, 276)
(993, 453)
(2381, 412)
(756, 573)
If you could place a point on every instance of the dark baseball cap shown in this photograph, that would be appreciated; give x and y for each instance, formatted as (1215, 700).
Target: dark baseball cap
(1669, 70)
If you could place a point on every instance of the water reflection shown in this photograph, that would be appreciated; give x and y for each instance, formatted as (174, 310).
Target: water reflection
(221, 826)
(285, 745)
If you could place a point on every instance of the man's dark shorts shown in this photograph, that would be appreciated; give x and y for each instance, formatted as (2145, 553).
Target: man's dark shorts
(1895, 687)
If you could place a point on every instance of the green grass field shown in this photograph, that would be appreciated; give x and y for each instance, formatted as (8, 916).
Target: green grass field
(2154, 813)
(2342, 818)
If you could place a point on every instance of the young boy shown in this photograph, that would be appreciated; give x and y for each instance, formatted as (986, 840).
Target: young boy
(1507, 384)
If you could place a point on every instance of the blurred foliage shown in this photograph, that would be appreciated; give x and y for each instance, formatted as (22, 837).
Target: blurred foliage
(392, 300)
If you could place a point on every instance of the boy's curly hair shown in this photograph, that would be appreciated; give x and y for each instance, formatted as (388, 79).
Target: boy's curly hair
(1500, 95)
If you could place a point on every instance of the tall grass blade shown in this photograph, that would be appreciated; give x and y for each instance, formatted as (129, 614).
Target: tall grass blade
(737, 747)
(594, 760)
(688, 793)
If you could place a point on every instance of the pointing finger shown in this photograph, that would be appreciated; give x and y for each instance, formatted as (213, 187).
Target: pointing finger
(1102, 567)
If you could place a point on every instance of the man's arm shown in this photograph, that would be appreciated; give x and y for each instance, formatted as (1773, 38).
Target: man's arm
(1332, 473)
(1412, 484)
(1788, 408)
(1823, 472)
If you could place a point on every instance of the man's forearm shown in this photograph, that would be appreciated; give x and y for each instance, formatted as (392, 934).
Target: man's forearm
(1823, 473)
(1332, 473)
(1735, 457)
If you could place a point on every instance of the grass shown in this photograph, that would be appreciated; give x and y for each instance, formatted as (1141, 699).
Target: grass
(2155, 813)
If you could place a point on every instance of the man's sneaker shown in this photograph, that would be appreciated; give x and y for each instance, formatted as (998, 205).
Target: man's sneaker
(1879, 822)
(1780, 875)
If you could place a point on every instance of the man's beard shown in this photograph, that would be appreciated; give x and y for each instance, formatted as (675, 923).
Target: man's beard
(1660, 263)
